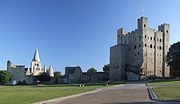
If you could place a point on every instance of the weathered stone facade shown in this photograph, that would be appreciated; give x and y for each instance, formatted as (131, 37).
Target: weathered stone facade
(21, 74)
(75, 75)
(95, 77)
(141, 52)
(18, 73)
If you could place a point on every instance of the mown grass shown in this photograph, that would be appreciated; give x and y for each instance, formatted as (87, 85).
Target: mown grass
(168, 92)
(166, 89)
(31, 94)
(164, 82)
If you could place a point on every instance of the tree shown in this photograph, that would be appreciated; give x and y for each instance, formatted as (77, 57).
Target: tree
(173, 59)
(57, 76)
(4, 77)
(92, 70)
(106, 68)
(43, 77)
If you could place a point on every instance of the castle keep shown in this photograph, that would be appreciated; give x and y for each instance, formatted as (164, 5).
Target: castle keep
(140, 53)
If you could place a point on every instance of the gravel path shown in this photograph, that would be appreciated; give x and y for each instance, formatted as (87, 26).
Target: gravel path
(130, 93)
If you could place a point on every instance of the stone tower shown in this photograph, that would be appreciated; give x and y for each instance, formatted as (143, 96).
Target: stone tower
(165, 29)
(36, 64)
(140, 52)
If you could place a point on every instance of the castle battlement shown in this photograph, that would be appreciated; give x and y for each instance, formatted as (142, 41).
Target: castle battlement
(145, 51)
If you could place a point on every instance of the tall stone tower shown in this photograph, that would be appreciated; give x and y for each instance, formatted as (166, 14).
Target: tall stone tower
(165, 29)
(36, 64)
(140, 52)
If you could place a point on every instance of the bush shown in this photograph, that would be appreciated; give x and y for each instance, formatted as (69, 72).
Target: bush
(22, 83)
(4, 77)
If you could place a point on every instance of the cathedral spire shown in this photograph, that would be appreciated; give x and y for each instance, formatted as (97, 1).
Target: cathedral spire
(36, 56)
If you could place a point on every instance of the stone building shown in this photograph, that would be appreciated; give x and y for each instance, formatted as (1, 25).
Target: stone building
(75, 75)
(20, 74)
(95, 77)
(140, 52)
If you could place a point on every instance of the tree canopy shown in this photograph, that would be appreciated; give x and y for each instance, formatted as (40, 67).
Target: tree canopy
(173, 59)
(57, 74)
(106, 68)
(92, 70)
(43, 77)
(4, 77)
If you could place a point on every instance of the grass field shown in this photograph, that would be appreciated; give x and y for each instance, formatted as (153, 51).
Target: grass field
(31, 94)
(165, 82)
(169, 89)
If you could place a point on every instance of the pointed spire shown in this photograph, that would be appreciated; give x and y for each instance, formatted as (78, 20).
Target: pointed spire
(44, 68)
(51, 72)
(36, 56)
(50, 68)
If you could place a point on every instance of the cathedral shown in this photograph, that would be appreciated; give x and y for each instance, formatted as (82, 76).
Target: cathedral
(140, 53)
(20, 73)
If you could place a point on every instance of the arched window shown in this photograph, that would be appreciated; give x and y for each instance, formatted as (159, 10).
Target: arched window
(144, 25)
(151, 46)
(160, 47)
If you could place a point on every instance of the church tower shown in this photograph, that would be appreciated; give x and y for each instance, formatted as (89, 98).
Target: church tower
(36, 64)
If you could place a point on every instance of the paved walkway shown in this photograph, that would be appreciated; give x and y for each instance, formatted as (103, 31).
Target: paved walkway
(131, 93)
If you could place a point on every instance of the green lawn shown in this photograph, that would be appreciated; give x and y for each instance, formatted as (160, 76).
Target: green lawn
(168, 89)
(168, 92)
(165, 82)
(30, 94)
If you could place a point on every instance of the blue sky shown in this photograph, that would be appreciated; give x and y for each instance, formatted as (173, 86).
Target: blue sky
(74, 32)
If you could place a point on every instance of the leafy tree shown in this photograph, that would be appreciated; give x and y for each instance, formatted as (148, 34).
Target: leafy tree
(173, 59)
(4, 77)
(92, 70)
(43, 77)
(106, 68)
(57, 76)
